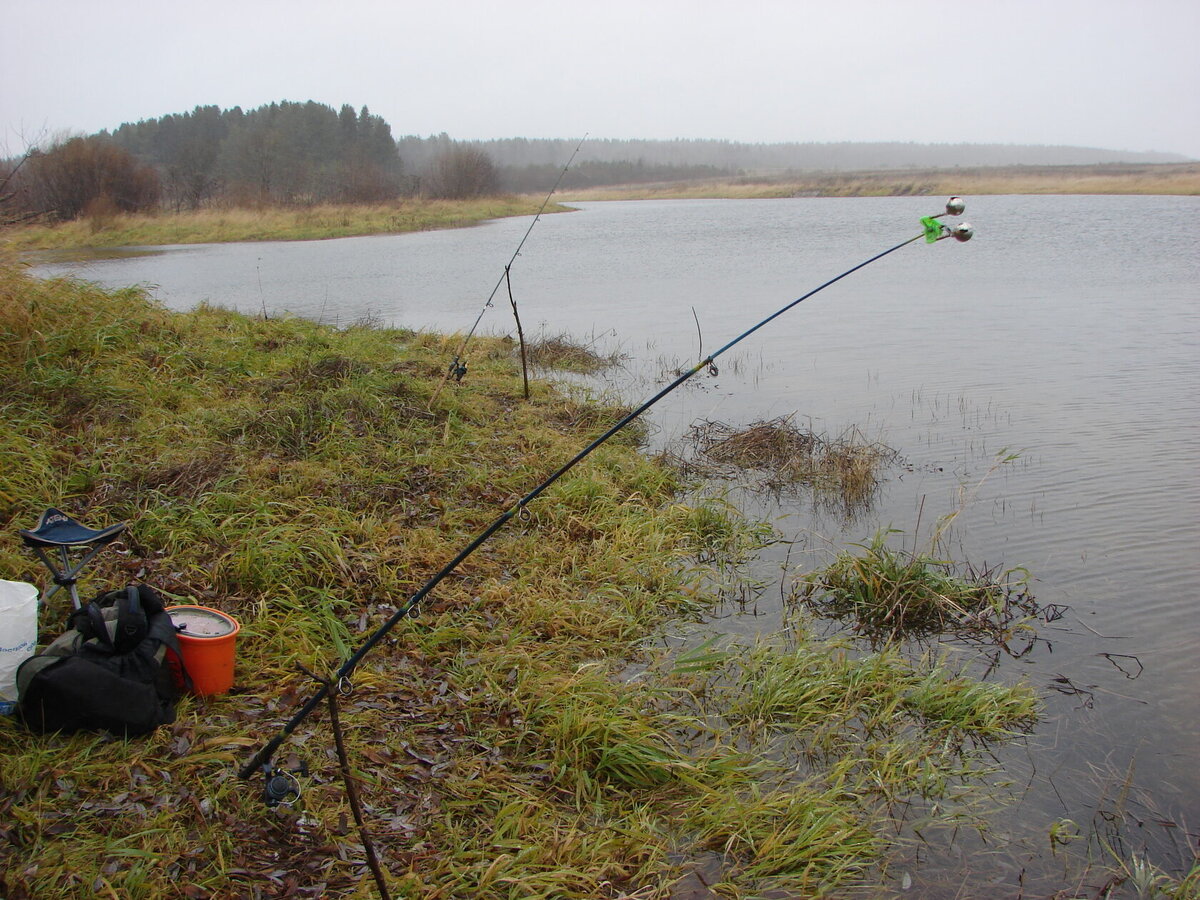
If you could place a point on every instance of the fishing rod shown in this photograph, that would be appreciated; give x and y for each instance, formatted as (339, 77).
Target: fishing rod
(458, 368)
(934, 231)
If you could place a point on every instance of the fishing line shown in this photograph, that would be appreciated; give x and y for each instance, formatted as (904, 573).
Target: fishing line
(458, 368)
(933, 231)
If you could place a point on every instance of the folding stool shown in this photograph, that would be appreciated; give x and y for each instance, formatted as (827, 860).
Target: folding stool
(58, 531)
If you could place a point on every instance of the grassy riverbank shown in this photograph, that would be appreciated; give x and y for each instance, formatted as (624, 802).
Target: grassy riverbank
(306, 480)
(1178, 179)
(267, 224)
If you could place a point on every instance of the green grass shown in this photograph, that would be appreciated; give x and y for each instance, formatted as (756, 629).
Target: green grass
(300, 478)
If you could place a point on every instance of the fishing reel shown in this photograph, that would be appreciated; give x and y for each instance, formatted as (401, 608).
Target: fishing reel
(282, 786)
(936, 231)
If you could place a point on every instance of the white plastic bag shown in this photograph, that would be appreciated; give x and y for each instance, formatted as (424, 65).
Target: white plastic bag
(18, 632)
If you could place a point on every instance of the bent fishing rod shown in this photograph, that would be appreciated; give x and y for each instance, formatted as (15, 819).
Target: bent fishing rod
(934, 231)
(457, 367)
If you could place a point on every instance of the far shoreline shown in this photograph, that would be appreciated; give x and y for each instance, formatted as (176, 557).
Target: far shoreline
(403, 215)
(1173, 179)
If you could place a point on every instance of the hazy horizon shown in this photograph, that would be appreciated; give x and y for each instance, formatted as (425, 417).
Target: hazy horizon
(1107, 74)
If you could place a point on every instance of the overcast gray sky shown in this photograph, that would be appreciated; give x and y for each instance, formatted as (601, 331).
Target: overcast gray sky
(1116, 74)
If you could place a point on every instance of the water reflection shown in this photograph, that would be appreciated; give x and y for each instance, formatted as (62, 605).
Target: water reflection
(77, 257)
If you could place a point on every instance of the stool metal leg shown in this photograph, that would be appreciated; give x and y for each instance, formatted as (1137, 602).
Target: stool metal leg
(68, 575)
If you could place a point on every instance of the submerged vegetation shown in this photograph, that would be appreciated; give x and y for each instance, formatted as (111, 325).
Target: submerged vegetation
(305, 480)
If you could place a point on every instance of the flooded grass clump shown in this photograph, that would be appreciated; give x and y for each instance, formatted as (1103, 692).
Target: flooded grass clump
(892, 594)
(567, 354)
(841, 740)
(846, 468)
(833, 696)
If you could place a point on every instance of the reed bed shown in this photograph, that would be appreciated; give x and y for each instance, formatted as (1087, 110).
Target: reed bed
(303, 479)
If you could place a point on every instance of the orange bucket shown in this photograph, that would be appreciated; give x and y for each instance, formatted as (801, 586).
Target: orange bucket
(207, 638)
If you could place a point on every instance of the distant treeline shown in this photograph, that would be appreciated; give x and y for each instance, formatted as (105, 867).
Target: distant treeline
(747, 159)
(533, 166)
(305, 153)
(532, 179)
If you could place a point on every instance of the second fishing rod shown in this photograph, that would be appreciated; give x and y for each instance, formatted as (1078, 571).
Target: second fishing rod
(458, 367)
(933, 231)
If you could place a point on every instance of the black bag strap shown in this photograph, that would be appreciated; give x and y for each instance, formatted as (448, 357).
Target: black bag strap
(96, 626)
(132, 599)
(151, 601)
(131, 620)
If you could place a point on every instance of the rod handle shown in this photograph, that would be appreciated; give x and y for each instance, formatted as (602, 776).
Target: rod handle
(262, 757)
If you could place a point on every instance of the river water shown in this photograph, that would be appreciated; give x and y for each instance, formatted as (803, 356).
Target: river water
(1067, 331)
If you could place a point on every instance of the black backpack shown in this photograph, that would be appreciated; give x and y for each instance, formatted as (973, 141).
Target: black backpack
(118, 669)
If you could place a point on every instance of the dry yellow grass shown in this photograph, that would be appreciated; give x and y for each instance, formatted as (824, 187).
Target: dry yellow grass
(266, 224)
(1176, 179)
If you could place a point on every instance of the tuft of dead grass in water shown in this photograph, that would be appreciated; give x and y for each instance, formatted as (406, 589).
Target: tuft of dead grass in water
(567, 354)
(846, 468)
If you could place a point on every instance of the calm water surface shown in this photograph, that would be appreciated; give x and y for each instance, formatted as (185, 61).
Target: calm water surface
(1068, 330)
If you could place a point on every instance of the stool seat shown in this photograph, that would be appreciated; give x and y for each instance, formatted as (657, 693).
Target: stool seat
(57, 529)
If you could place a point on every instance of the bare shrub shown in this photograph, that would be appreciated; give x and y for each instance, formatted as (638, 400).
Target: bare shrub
(461, 173)
(71, 175)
